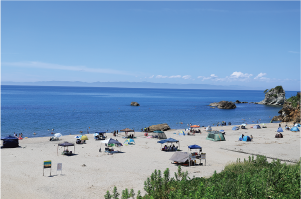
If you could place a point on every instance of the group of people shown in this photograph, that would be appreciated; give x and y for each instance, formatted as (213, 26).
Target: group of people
(130, 136)
(19, 137)
(169, 148)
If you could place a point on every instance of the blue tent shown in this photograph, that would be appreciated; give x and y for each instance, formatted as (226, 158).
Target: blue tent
(256, 127)
(240, 138)
(246, 138)
(297, 125)
(10, 142)
(169, 140)
(294, 128)
(280, 129)
(235, 128)
(194, 146)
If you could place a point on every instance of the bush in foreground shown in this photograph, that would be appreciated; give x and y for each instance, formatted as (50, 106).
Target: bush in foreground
(248, 179)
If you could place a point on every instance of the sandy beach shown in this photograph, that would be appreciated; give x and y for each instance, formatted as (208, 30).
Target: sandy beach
(90, 173)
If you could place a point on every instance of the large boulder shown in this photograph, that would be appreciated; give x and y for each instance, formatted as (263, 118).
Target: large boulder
(275, 96)
(223, 105)
(159, 127)
(135, 104)
(226, 105)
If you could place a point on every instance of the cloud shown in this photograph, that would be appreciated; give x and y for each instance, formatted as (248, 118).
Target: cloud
(161, 76)
(240, 75)
(295, 52)
(260, 76)
(176, 76)
(186, 77)
(152, 76)
(35, 64)
(212, 76)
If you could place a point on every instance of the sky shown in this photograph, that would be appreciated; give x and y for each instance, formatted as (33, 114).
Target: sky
(199, 42)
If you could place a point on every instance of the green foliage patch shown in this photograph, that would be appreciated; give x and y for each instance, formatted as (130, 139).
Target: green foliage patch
(252, 178)
(295, 100)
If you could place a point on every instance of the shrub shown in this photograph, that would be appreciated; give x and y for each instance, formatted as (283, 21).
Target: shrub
(252, 178)
(295, 100)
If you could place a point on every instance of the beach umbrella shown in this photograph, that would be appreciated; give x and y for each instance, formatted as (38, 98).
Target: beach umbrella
(77, 137)
(57, 135)
(84, 137)
(96, 134)
(221, 130)
(195, 126)
(127, 130)
(244, 125)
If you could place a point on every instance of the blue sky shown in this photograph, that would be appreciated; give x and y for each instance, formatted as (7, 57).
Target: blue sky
(219, 43)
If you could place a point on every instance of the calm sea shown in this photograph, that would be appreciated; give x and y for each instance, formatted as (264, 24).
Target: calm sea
(69, 110)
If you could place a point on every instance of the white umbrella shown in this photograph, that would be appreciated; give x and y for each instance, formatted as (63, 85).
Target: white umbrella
(57, 135)
(244, 125)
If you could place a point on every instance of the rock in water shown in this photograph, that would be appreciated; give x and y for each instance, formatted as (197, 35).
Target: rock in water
(226, 105)
(159, 127)
(135, 104)
(275, 96)
(223, 105)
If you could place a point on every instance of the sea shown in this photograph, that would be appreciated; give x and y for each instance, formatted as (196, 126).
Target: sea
(38, 111)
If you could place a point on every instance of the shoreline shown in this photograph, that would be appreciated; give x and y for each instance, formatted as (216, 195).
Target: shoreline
(23, 172)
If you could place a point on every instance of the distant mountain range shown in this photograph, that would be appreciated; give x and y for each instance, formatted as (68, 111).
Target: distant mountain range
(131, 85)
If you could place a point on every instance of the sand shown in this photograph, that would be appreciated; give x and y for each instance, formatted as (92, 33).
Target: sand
(22, 168)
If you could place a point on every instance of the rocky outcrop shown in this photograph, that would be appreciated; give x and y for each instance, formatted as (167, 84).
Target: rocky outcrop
(159, 127)
(288, 113)
(239, 102)
(275, 96)
(135, 104)
(224, 105)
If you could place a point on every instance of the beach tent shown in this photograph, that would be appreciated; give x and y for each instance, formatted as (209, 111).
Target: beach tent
(280, 129)
(246, 138)
(297, 125)
(110, 141)
(294, 128)
(235, 128)
(129, 141)
(209, 129)
(10, 142)
(84, 137)
(169, 140)
(194, 146)
(180, 157)
(182, 133)
(256, 127)
(240, 138)
(159, 134)
(215, 136)
(65, 144)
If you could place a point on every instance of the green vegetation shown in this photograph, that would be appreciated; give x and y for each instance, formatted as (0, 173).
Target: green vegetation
(248, 179)
(295, 100)
(265, 91)
(279, 89)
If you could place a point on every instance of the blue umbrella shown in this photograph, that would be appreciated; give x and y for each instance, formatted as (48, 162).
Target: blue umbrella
(221, 130)
(77, 137)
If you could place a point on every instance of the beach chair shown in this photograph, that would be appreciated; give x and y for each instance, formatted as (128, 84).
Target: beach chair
(203, 157)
